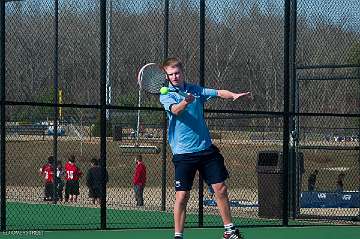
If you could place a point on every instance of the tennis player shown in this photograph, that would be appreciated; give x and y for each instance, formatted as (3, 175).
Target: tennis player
(191, 145)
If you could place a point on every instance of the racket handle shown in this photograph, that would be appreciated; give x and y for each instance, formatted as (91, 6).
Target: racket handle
(186, 94)
(182, 93)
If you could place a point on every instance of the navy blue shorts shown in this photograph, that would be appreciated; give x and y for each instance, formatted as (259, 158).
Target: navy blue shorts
(209, 162)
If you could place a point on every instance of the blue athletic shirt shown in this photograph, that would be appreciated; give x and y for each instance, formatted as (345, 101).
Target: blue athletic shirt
(188, 132)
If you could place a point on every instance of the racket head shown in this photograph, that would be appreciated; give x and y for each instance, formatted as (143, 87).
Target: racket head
(151, 78)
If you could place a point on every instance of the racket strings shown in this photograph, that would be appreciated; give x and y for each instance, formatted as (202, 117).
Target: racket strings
(152, 79)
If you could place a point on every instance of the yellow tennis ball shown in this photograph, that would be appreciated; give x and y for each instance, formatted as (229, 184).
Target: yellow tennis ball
(164, 90)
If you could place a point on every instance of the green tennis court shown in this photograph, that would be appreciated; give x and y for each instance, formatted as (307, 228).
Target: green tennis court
(346, 232)
(29, 216)
(26, 220)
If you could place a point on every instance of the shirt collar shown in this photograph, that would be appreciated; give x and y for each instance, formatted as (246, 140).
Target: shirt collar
(184, 88)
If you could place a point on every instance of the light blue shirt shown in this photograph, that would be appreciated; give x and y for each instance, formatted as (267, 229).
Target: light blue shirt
(188, 132)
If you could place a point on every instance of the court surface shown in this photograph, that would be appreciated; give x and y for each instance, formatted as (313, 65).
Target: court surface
(22, 218)
(322, 232)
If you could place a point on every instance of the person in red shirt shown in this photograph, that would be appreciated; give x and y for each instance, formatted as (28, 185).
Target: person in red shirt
(47, 172)
(139, 180)
(72, 176)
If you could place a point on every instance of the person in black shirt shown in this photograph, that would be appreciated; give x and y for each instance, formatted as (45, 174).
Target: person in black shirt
(59, 183)
(312, 180)
(340, 182)
(94, 181)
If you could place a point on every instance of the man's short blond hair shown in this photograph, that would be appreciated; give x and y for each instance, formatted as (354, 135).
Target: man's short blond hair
(172, 62)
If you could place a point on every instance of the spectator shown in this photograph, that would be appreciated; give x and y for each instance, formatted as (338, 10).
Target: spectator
(58, 180)
(47, 172)
(312, 180)
(73, 174)
(139, 180)
(94, 179)
(340, 182)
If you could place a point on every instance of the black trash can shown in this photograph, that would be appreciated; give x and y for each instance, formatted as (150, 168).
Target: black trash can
(117, 133)
(270, 184)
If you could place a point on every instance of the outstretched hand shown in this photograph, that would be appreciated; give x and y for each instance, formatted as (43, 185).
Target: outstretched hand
(238, 95)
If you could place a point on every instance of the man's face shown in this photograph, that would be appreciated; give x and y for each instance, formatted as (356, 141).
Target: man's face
(175, 75)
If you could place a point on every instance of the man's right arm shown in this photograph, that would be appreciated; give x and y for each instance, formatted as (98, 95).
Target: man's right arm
(177, 109)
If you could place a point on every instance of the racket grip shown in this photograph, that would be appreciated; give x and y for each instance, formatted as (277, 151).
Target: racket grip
(182, 93)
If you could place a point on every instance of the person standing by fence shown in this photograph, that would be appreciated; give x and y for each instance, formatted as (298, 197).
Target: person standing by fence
(94, 179)
(340, 183)
(47, 172)
(59, 183)
(139, 180)
(73, 174)
(312, 180)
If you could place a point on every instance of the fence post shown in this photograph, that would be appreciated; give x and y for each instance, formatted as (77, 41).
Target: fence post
(202, 83)
(2, 118)
(103, 120)
(286, 115)
(164, 121)
(56, 95)
(293, 124)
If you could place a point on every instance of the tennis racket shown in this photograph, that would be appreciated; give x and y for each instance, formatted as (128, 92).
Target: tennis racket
(153, 79)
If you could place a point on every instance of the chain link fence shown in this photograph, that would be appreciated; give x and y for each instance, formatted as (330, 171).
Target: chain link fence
(328, 83)
(243, 51)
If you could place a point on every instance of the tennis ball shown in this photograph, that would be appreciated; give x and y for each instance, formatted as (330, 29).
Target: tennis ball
(164, 90)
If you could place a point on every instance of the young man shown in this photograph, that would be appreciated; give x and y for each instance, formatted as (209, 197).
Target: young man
(139, 180)
(94, 181)
(73, 174)
(47, 172)
(191, 145)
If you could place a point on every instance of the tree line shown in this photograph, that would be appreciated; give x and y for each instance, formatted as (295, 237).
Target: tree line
(243, 51)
